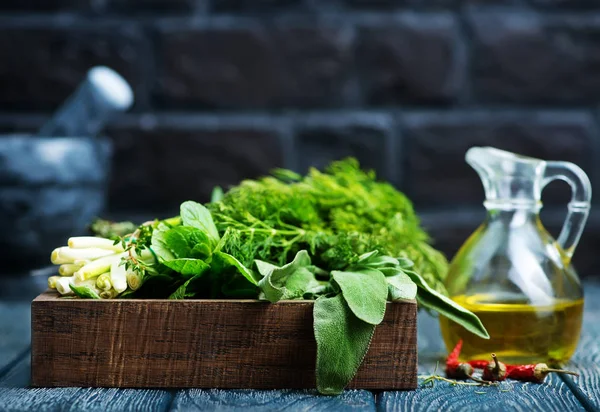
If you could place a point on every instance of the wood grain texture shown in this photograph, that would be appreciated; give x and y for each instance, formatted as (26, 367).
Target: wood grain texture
(84, 399)
(14, 396)
(202, 344)
(586, 360)
(255, 401)
(553, 395)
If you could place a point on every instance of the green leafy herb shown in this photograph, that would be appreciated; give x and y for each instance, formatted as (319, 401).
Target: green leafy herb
(224, 260)
(400, 287)
(431, 299)
(342, 342)
(365, 292)
(84, 291)
(195, 215)
(287, 282)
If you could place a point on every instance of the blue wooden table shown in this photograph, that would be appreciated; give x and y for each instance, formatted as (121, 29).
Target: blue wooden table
(557, 394)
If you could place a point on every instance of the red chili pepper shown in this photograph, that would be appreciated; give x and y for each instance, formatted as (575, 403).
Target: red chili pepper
(478, 363)
(456, 369)
(453, 356)
(495, 370)
(534, 373)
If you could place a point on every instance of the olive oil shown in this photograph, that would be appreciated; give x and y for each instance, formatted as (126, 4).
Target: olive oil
(519, 332)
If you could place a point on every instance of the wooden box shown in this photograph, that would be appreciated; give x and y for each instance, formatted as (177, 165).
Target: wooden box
(203, 344)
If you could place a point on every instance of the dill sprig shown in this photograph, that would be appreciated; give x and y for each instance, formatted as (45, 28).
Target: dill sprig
(337, 215)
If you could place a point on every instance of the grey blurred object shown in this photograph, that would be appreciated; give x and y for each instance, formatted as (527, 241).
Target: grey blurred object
(102, 95)
(52, 185)
(50, 189)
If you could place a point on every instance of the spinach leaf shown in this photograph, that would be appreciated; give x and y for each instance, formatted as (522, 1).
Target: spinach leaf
(196, 215)
(236, 286)
(183, 249)
(181, 242)
(366, 293)
(187, 266)
(290, 281)
(222, 260)
(342, 343)
(431, 299)
(84, 291)
(181, 292)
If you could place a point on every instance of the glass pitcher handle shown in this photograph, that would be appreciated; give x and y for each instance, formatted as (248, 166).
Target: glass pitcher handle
(579, 206)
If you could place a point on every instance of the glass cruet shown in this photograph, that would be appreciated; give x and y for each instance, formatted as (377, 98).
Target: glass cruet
(511, 272)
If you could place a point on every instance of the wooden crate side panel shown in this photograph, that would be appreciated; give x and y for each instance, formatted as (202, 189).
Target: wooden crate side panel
(208, 344)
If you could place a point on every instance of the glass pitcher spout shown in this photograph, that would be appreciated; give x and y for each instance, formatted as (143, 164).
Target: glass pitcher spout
(513, 181)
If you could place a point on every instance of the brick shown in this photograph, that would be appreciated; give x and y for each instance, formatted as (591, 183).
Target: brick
(392, 4)
(159, 163)
(42, 66)
(322, 138)
(565, 4)
(242, 64)
(436, 144)
(256, 5)
(51, 5)
(533, 58)
(415, 58)
(153, 6)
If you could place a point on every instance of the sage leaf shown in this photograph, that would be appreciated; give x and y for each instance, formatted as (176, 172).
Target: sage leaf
(401, 287)
(290, 281)
(342, 343)
(222, 260)
(366, 293)
(433, 300)
(405, 263)
(84, 291)
(196, 215)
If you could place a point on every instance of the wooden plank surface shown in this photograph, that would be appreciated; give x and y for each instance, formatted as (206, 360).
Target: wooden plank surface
(586, 360)
(203, 344)
(255, 401)
(15, 331)
(16, 396)
(554, 395)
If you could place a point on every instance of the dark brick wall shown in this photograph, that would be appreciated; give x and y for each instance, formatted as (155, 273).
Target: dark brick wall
(229, 89)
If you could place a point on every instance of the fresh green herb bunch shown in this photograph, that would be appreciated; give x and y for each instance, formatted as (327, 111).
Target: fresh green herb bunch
(337, 215)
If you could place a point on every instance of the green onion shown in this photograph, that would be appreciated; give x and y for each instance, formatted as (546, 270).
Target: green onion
(67, 255)
(134, 280)
(108, 294)
(86, 242)
(103, 282)
(118, 277)
(52, 281)
(98, 267)
(68, 269)
(63, 285)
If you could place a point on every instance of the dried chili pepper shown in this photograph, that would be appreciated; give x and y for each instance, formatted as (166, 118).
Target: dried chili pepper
(495, 370)
(478, 363)
(459, 370)
(456, 369)
(534, 373)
